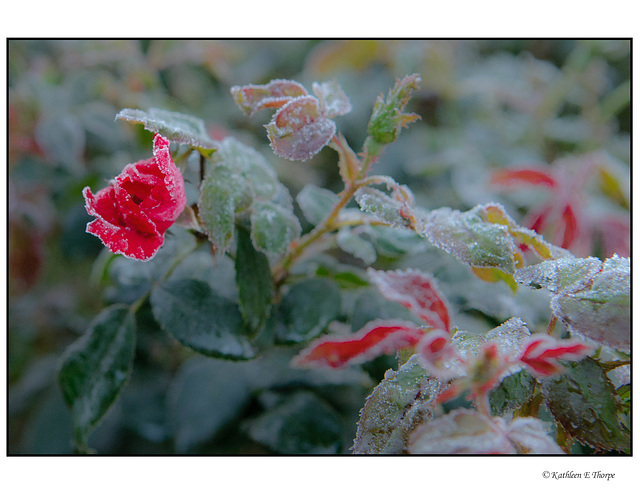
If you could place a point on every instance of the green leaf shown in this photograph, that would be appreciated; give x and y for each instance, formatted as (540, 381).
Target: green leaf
(301, 423)
(513, 392)
(273, 227)
(585, 403)
(471, 238)
(95, 368)
(307, 309)
(175, 126)
(402, 401)
(316, 203)
(251, 165)
(356, 246)
(197, 317)
(222, 193)
(253, 278)
(387, 118)
(592, 298)
(381, 206)
(205, 396)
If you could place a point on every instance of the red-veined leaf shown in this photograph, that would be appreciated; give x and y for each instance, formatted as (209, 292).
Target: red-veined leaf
(439, 356)
(416, 291)
(571, 230)
(543, 352)
(374, 339)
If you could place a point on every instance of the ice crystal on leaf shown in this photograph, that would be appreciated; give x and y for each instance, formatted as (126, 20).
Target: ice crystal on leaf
(592, 298)
(417, 292)
(468, 432)
(302, 125)
(136, 209)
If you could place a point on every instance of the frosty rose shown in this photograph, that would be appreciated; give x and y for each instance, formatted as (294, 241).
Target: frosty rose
(139, 205)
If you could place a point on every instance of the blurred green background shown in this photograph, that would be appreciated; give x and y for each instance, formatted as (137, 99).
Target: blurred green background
(484, 105)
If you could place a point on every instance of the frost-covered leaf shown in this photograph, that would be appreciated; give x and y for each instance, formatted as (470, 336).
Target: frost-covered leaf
(253, 97)
(513, 392)
(222, 193)
(374, 339)
(531, 436)
(509, 337)
(176, 127)
(381, 206)
(416, 291)
(465, 431)
(333, 100)
(316, 202)
(592, 298)
(273, 227)
(204, 396)
(348, 162)
(462, 431)
(298, 130)
(471, 238)
(387, 118)
(199, 318)
(403, 400)
(307, 309)
(542, 353)
(253, 279)
(439, 356)
(356, 246)
(495, 213)
(585, 403)
(301, 423)
(560, 276)
(96, 367)
(248, 163)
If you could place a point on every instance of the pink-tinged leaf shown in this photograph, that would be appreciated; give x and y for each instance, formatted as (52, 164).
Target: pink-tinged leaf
(571, 231)
(298, 131)
(139, 205)
(439, 356)
(416, 291)
(275, 94)
(530, 436)
(374, 339)
(523, 175)
(543, 352)
(462, 431)
(333, 100)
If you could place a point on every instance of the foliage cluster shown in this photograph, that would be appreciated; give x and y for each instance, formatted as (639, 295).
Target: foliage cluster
(424, 250)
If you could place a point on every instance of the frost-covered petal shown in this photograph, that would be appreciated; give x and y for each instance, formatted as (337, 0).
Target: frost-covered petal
(139, 205)
(120, 239)
(530, 436)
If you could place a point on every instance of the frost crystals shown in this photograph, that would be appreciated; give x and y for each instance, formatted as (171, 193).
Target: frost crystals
(302, 125)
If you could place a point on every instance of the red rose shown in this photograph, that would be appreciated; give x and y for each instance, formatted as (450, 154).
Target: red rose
(139, 205)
